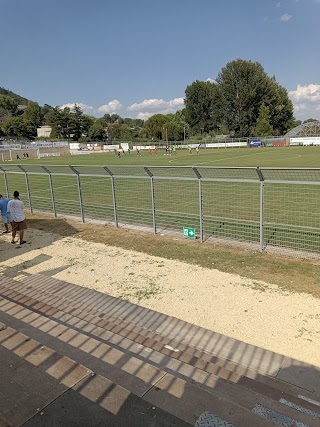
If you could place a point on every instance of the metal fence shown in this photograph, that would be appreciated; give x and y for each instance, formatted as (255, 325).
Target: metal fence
(270, 209)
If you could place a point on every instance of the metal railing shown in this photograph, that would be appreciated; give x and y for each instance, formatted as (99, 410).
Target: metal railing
(269, 208)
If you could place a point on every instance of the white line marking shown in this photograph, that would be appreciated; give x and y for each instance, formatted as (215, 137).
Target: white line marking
(314, 402)
(171, 348)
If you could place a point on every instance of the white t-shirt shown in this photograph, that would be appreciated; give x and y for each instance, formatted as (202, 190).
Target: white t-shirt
(15, 207)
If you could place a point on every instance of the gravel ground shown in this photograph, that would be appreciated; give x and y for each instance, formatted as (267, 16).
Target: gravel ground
(258, 313)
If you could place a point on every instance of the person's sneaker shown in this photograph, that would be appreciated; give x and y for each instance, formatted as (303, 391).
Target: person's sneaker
(5, 232)
(12, 241)
(23, 242)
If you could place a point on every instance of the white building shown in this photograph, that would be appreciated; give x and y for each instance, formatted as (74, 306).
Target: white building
(44, 131)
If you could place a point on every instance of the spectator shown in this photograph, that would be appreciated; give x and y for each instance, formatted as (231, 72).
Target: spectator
(19, 223)
(6, 217)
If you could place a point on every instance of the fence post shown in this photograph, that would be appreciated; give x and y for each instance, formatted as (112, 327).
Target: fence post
(113, 195)
(28, 187)
(196, 171)
(52, 192)
(5, 181)
(261, 178)
(152, 200)
(79, 191)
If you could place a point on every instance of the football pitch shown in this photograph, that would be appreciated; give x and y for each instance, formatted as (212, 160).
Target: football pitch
(284, 157)
(228, 209)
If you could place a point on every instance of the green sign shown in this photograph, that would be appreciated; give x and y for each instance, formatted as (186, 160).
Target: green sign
(190, 233)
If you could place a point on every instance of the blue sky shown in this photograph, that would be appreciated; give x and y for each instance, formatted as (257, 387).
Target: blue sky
(136, 57)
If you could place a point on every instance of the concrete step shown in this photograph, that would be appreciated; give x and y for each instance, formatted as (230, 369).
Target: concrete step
(49, 389)
(125, 328)
(247, 399)
(186, 354)
(39, 387)
(226, 348)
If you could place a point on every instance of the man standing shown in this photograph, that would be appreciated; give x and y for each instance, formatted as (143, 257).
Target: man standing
(19, 223)
(6, 217)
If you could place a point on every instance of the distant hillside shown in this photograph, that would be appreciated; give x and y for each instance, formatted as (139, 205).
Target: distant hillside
(18, 98)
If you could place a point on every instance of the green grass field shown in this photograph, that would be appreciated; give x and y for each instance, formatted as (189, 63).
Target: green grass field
(284, 157)
(231, 210)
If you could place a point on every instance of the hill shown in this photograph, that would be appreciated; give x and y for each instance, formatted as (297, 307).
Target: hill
(13, 95)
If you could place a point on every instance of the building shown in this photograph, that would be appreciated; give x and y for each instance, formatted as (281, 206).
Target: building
(44, 131)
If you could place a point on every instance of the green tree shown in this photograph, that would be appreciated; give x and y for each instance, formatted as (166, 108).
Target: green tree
(46, 108)
(244, 86)
(202, 106)
(77, 122)
(112, 118)
(174, 131)
(8, 104)
(97, 132)
(280, 106)
(60, 122)
(155, 125)
(34, 114)
(18, 98)
(263, 126)
(310, 120)
(19, 127)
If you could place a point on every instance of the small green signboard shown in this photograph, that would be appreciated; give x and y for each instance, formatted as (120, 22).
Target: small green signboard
(190, 233)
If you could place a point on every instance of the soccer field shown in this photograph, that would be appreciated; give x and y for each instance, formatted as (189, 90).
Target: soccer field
(230, 202)
(284, 157)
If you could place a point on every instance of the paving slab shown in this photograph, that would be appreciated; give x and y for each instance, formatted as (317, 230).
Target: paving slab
(4, 422)
(25, 389)
(301, 374)
(97, 402)
(187, 402)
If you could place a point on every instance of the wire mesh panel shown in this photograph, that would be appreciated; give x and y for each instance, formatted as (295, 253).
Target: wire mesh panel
(40, 193)
(231, 210)
(297, 175)
(177, 204)
(66, 195)
(292, 216)
(97, 197)
(223, 173)
(134, 201)
(229, 199)
(3, 190)
(17, 182)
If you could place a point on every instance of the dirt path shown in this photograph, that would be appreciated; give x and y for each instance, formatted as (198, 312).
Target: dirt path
(255, 312)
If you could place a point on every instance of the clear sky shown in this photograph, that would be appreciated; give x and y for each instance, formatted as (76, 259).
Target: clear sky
(136, 57)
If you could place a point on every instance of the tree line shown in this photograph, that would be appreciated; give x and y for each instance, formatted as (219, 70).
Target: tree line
(242, 101)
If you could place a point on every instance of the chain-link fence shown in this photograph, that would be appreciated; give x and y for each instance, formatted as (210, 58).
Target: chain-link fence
(267, 208)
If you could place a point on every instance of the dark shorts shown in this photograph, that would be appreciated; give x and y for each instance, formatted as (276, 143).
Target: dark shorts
(17, 226)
